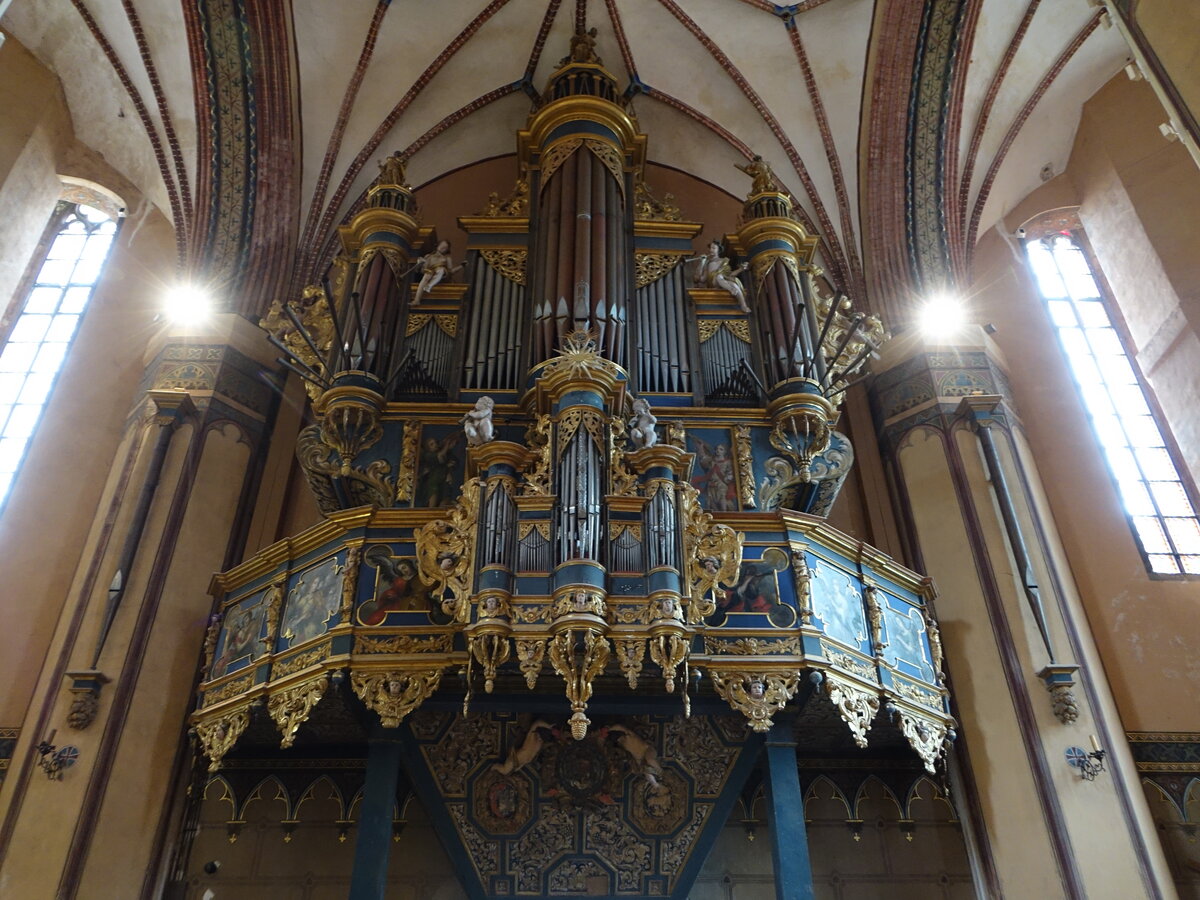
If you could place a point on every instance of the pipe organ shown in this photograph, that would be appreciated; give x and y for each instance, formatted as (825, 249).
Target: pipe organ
(587, 469)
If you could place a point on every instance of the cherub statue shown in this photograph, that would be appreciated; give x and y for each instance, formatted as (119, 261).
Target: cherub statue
(391, 169)
(715, 271)
(760, 171)
(641, 426)
(435, 266)
(477, 423)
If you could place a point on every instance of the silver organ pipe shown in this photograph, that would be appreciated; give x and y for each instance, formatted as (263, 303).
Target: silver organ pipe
(664, 361)
(492, 357)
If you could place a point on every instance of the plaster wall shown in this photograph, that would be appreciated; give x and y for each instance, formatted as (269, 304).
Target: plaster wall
(1170, 27)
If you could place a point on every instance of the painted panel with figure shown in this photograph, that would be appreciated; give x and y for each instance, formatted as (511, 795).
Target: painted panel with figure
(757, 591)
(398, 589)
(240, 642)
(440, 465)
(313, 598)
(715, 474)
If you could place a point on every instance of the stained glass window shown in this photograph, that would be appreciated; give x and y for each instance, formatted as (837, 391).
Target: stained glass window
(1158, 504)
(42, 333)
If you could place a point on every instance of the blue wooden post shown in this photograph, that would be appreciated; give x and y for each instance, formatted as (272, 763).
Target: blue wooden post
(785, 810)
(374, 840)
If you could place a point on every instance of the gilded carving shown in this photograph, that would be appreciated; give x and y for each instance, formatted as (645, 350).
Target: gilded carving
(530, 653)
(349, 583)
(537, 479)
(669, 651)
(228, 689)
(649, 208)
(712, 554)
(446, 551)
(851, 664)
(291, 664)
(743, 452)
(936, 657)
(556, 156)
(416, 321)
(210, 641)
(856, 706)
(448, 322)
(313, 313)
(615, 530)
(757, 696)
(217, 736)
(751, 646)
(612, 159)
(917, 694)
(927, 737)
(649, 267)
(874, 616)
(393, 695)
(579, 670)
(576, 602)
(289, 709)
(273, 602)
(622, 481)
(515, 204)
(542, 527)
(491, 651)
(403, 643)
(509, 263)
(630, 653)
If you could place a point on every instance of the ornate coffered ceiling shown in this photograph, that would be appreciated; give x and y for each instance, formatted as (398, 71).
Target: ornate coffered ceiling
(904, 128)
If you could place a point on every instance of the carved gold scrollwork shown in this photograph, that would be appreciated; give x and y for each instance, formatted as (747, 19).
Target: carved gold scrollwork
(669, 651)
(612, 159)
(541, 527)
(509, 263)
(578, 601)
(300, 661)
(217, 736)
(530, 653)
(579, 656)
(856, 706)
(289, 709)
(630, 653)
(393, 695)
(210, 642)
(491, 651)
(446, 552)
(403, 643)
(556, 156)
(615, 529)
(739, 328)
(742, 450)
(749, 646)
(649, 267)
(416, 321)
(537, 479)
(448, 322)
(313, 311)
(408, 461)
(712, 554)
(622, 481)
(349, 583)
(757, 696)
(926, 736)
(649, 208)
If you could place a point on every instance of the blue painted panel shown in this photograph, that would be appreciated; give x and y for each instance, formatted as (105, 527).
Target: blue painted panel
(838, 604)
(904, 630)
(239, 642)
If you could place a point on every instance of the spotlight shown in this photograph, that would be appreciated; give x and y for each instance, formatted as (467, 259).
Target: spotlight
(186, 305)
(941, 316)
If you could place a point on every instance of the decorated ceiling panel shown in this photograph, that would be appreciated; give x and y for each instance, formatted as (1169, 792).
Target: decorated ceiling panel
(796, 84)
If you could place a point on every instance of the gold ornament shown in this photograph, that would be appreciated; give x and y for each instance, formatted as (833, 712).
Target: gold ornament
(668, 650)
(745, 463)
(630, 652)
(856, 706)
(757, 696)
(927, 737)
(289, 709)
(349, 583)
(530, 652)
(509, 263)
(874, 616)
(712, 554)
(409, 446)
(217, 736)
(579, 668)
(446, 552)
(649, 267)
(393, 695)
(537, 479)
(491, 651)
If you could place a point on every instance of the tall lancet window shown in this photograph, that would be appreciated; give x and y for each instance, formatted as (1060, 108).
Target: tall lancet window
(41, 333)
(1156, 500)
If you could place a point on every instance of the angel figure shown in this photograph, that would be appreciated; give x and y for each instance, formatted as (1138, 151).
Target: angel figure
(438, 471)
(764, 179)
(641, 426)
(716, 271)
(391, 170)
(477, 423)
(435, 266)
(716, 480)
(644, 757)
(528, 750)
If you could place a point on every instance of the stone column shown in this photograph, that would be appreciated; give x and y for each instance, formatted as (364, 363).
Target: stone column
(117, 683)
(1022, 666)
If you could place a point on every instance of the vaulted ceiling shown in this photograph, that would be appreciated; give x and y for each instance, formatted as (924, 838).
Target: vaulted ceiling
(904, 128)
